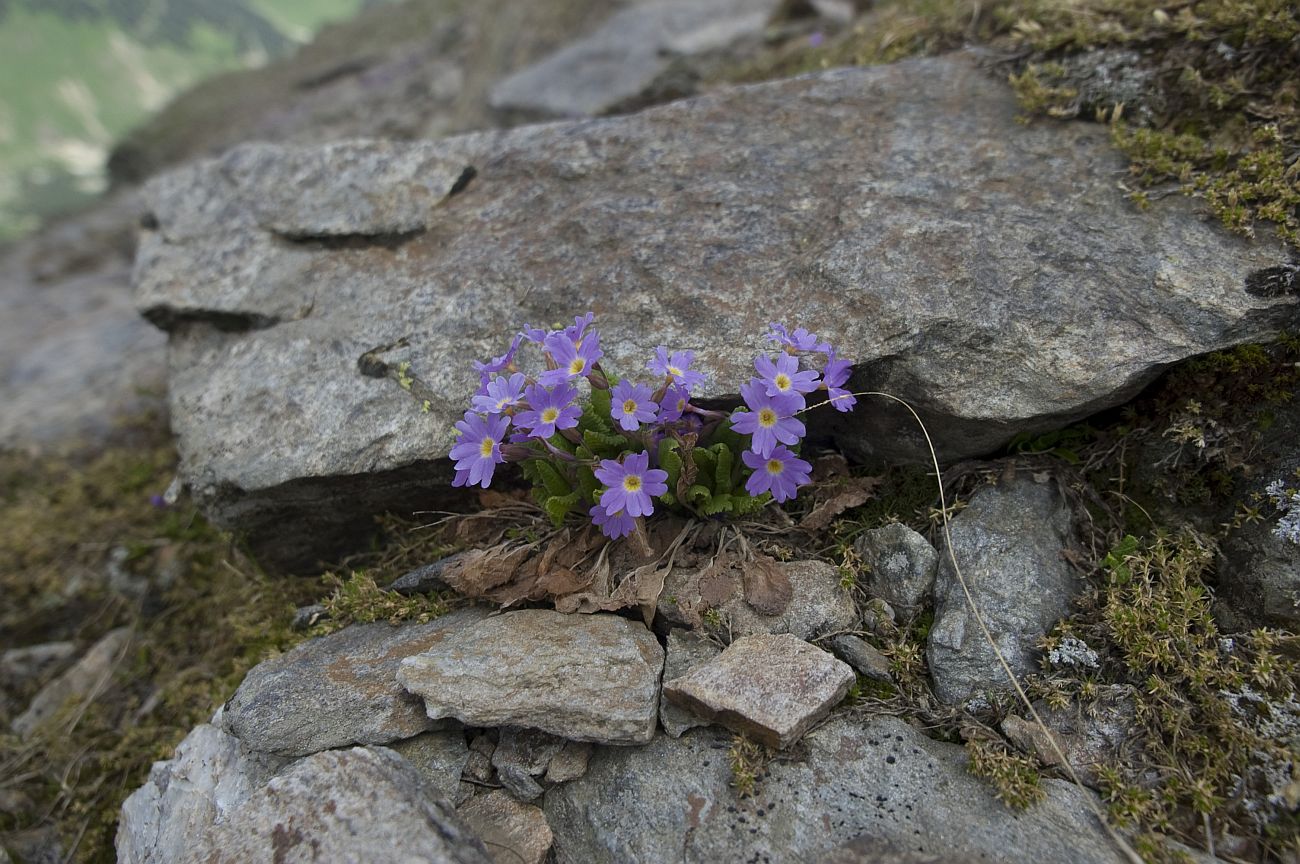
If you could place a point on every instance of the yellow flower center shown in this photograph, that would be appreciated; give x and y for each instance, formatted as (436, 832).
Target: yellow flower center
(766, 418)
(576, 365)
(673, 370)
(485, 449)
(774, 466)
(681, 405)
(549, 415)
(782, 381)
(629, 406)
(632, 483)
(501, 403)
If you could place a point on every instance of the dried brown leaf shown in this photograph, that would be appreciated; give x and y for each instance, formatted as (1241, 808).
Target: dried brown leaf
(767, 588)
(851, 493)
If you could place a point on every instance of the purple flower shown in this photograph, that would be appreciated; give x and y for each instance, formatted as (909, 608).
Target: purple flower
(674, 403)
(780, 473)
(571, 358)
(478, 449)
(799, 340)
(612, 525)
(631, 405)
(498, 364)
(783, 377)
(533, 334)
(502, 393)
(677, 367)
(770, 419)
(549, 410)
(631, 484)
(834, 377)
(580, 325)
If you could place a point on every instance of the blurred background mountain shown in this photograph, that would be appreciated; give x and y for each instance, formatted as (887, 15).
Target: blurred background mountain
(76, 75)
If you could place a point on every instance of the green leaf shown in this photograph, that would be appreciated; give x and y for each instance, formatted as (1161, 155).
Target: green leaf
(599, 411)
(743, 505)
(558, 506)
(717, 504)
(587, 483)
(670, 461)
(604, 444)
(552, 479)
(722, 475)
(698, 493)
(707, 464)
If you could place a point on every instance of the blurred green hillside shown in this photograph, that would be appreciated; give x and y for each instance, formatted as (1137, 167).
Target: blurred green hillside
(77, 74)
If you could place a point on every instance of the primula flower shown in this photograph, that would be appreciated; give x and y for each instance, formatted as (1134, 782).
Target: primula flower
(631, 405)
(579, 328)
(631, 484)
(572, 359)
(674, 403)
(780, 473)
(783, 376)
(834, 377)
(770, 419)
(549, 410)
(498, 364)
(478, 449)
(502, 393)
(612, 525)
(678, 366)
(799, 340)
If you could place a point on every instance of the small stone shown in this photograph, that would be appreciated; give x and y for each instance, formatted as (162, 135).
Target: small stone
(819, 605)
(364, 804)
(1089, 736)
(771, 688)
(86, 679)
(424, 580)
(1010, 543)
(902, 566)
(582, 677)
(306, 617)
(685, 652)
(440, 757)
(337, 690)
(527, 749)
(513, 833)
(570, 763)
(478, 767)
(18, 665)
(519, 783)
(863, 657)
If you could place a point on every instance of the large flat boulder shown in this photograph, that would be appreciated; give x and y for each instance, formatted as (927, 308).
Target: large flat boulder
(989, 272)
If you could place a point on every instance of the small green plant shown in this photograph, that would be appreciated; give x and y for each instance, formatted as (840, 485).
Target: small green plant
(748, 760)
(1014, 777)
(358, 599)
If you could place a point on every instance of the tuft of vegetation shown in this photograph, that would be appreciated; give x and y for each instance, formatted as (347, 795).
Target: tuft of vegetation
(360, 600)
(748, 760)
(1014, 777)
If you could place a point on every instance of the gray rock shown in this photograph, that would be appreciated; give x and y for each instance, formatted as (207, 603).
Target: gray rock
(685, 651)
(836, 187)
(582, 677)
(364, 804)
(819, 605)
(620, 61)
(873, 850)
(571, 762)
(1009, 543)
(306, 617)
(85, 680)
(1257, 572)
(440, 757)
(902, 566)
(528, 750)
(337, 690)
(670, 801)
(519, 783)
(424, 580)
(771, 688)
(18, 665)
(1089, 736)
(76, 359)
(864, 657)
(513, 833)
(210, 775)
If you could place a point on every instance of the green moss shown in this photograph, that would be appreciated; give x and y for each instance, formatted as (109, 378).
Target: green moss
(1014, 777)
(358, 599)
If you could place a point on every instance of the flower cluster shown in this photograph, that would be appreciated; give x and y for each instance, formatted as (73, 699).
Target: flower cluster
(1286, 500)
(614, 447)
